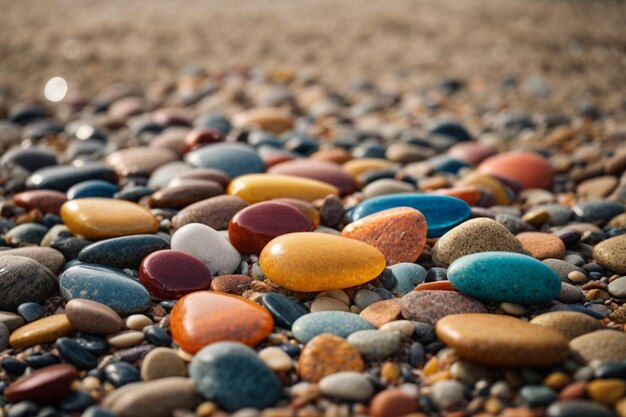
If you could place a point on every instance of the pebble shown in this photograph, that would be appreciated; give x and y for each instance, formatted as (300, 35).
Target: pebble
(386, 186)
(207, 245)
(121, 373)
(92, 317)
(72, 352)
(125, 339)
(284, 310)
(11, 320)
(607, 391)
(4, 337)
(233, 376)
(254, 188)
(204, 317)
(351, 386)
(570, 324)
(327, 354)
(276, 359)
(503, 276)
(328, 304)
(617, 288)
(62, 177)
(47, 385)
(48, 257)
(30, 311)
(139, 160)
(137, 322)
(101, 218)
(542, 245)
(448, 393)
(44, 330)
(578, 408)
(609, 254)
(529, 169)
(293, 261)
(232, 284)
(122, 252)
(392, 403)
(602, 345)
(407, 276)
(597, 212)
(157, 336)
(431, 306)
(104, 285)
(502, 341)
(537, 395)
(405, 328)
(474, 236)
(382, 312)
(181, 196)
(335, 322)
(162, 362)
(215, 212)
(23, 279)
(328, 172)
(375, 344)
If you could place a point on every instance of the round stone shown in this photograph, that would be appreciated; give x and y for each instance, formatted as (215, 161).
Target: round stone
(570, 324)
(235, 159)
(351, 386)
(607, 391)
(255, 188)
(338, 323)
(602, 345)
(318, 262)
(542, 245)
(215, 212)
(375, 344)
(181, 196)
(473, 236)
(610, 254)
(578, 408)
(138, 322)
(234, 377)
(529, 169)
(502, 341)
(48, 257)
(328, 304)
(392, 403)
(448, 393)
(327, 354)
(160, 363)
(92, 317)
(23, 279)
(382, 312)
(171, 274)
(47, 329)
(204, 317)
(277, 359)
(47, 385)
(617, 288)
(407, 276)
(271, 119)
(431, 306)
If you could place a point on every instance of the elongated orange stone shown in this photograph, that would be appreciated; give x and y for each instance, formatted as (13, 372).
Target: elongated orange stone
(101, 218)
(317, 262)
(44, 330)
(205, 317)
(356, 167)
(254, 188)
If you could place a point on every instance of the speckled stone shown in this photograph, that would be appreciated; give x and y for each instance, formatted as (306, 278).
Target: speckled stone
(23, 279)
(502, 340)
(4, 337)
(473, 236)
(570, 324)
(162, 362)
(327, 354)
(431, 306)
(47, 329)
(602, 345)
(375, 344)
(336, 322)
(542, 245)
(382, 312)
(48, 257)
(232, 284)
(610, 254)
(234, 377)
(122, 252)
(215, 212)
(92, 317)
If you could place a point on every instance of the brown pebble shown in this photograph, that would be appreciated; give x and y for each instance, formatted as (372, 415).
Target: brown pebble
(92, 317)
(162, 362)
(392, 403)
(328, 354)
(215, 212)
(232, 284)
(382, 312)
(542, 245)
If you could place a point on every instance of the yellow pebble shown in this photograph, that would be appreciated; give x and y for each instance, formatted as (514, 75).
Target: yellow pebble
(390, 371)
(431, 367)
(556, 380)
(620, 407)
(493, 405)
(206, 409)
(607, 391)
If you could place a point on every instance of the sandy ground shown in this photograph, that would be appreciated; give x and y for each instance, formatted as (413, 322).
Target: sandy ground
(576, 48)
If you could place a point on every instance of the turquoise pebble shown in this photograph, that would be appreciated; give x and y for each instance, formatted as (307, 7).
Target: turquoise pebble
(92, 188)
(339, 323)
(407, 276)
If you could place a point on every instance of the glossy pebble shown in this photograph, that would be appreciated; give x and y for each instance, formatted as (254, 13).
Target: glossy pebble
(284, 310)
(92, 317)
(234, 159)
(47, 385)
(139, 160)
(347, 385)
(180, 196)
(338, 323)
(122, 252)
(61, 178)
(215, 212)
(170, 274)
(46, 201)
(44, 330)
(602, 345)
(318, 262)
(529, 169)
(327, 172)
(272, 119)
(255, 188)
(92, 188)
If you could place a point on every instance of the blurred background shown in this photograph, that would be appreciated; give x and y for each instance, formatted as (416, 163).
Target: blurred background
(560, 51)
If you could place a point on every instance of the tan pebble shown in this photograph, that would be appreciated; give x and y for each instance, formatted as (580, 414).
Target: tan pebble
(597, 294)
(328, 304)
(137, 322)
(276, 358)
(277, 412)
(405, 327)
(184, 355)
(390, 371)
(513, 309)
(162, 362)
(336, 294)
(537, 218)
(354, 309)
(607, 391)
(125, 339)
(577, 277)
(620, 407)
(382, 312)
(92, 317)
(91, 383)
(493, 405)
(570, 324)
(556, 380)
(206, 409)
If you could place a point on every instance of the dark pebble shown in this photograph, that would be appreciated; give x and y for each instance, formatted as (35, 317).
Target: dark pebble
(291, 349)
(424, 333)
(436, 274)
(13, 366)
(50, 411)
(579, 408)
(133, 193)
(76, 401)
(23, 409)
(387, 279)
(611, 370)
(157, 336)
(168, 305)
(122, 252)
(29, 233)
(43, 360)
(60, 178)
(93, 344)
(121, 373)
(75, 354)
(384, 294)
(92, 188)
(30, 311)
(284, 310)
(416, 355)
(70, 247)
(133, 354)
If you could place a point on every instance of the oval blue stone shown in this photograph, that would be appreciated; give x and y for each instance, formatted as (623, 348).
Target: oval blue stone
(339, 323)
(504, 276)
(92, 188)
(233, 158)
(122, 252)
(62, 177)
(442, 212)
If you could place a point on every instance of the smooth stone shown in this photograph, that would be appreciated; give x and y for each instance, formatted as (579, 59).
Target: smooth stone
(235, 159)
(404, 328)
(483, 181)
(159, 398)
(204, 317)
(598, 212)
(537, 395)
(607, 391)
(351, 386)
(76, 401)
(375, 344)
(542, 245)
(30, 311)
(48, 257)
(157, 336)
(448, 393)
(121, 373)
(570, 324)
(562, 269)
(276, 358)
(399, 233)
(26, 234)
(162, 362)
(46, 201)
(602, 345)
(163, 174)
(29, 159)
(104, 285)
(474, 236)
(442, 213)
(23, 279)
(558, 215)
(11, 320)
(61, 178)
(327, 172)
(284, 310)
(471, 152)
(318, 262)
(139, 160)
(364, 298)
(232, 284)
(431, 306)
(181, 196)
(504, 276)
(215, 212)
(407, 276)
(207, 245)
(122, 252)
(360, 166)
(199, 137)
(92, 188)
(386, 186)
(271, 119)
(171, 274)
(252, 228)
(382, 312)
(125, 339)
(101, 218)
(46, 385)
(4, 337)
(327, 354)
(529, 169)
(610, 254)
(578, 408)
(617, 288)
(502, 341)
(254, 188)
(335, 322)
(47, 329)
(75, 354)
(138, 322)
(328, 304)
(233, 376)
(392, 402)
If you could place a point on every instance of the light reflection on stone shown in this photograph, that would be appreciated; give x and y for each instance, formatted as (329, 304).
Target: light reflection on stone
(55, 89)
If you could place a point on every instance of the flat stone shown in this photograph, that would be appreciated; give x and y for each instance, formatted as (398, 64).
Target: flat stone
(171, 274)
(399, 233)
(610, 254)
(578, 408)
(48, 257)
(375, 344)
(570, 324)
(61, 178)
(327, 354)
(233, 376)
(254, 188)
(474, 236)
(92, 188)
(327, 172)
(338, 323)
(139, 160)
(271, 119)
(318, 262)
(162, 362)
(357, 167)
(104, 285)
(46, 201)
(491, 184)
(215, 212)
(23, 279)
(442, 213)
(617, 288)
(276, 358)
(235, 159)
(386, 186)
(122, 252)
(502, 341)
(92, 317)
(158, 398)
(351, 386)
(602, 345)
(284, 310)
(204, 317)
(125, 339)
(101, 218)
(431, 306)
(407, 277)
(26, 234)
(47, 385)
(44, 330)
(542, 245)
(328, 304)
(207, 245)
(181, 196)
(598, 212)
(504, 276)
(232, 284)
(382, 312)
(11, 320)
(529, 169)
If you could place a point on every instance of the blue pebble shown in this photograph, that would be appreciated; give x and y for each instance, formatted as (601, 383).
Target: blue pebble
(445, 163)
(537, 395)
(122, 252)
(92, 188)
(75, 354)
(504, 276)
(28, 233)
(30, 311)
(76, 401)
(451, 129)
(408, 276)
(442, 212)
(233, 158)
(339, 323)
(284, 310)
(61, 178)
(157, 336)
